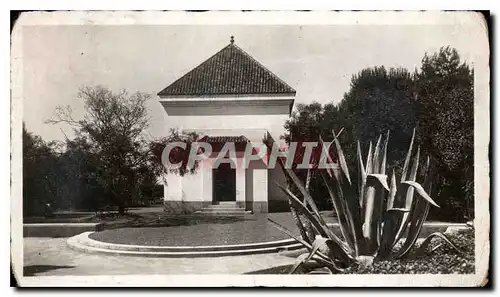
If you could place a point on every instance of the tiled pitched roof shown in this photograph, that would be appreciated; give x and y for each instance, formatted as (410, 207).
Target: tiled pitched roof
(231, 71)
(224, 139)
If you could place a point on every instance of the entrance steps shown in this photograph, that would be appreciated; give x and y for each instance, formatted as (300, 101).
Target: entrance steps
(224, 208)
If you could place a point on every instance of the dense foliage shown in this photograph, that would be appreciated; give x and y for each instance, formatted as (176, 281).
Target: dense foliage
(445, 110)
(372, 220)
(40, 175)
(437, 100)
(438, 259)
(109, 162)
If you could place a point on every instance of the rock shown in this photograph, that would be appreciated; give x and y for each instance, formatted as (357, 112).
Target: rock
(365, 261)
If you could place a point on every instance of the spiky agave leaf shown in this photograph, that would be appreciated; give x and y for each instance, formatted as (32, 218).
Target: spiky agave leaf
(375, 183)
(269, 141)
(347, 209)
(384, 154)
(408, 156)
(369, 160)
(389, 231)
(307, 225)
(379, 210)
(342, 209)
(412, 177)
(299, 223)
(419, 213)
(362, 176)
(420, 190)
(325, 157)
(307, 197)
(424, 245)
(322, 246)
(320, 256)
(392, 191)
(376, 156)
(341, 249)
(408, 202)
(420, 210)
(380, 178)
(341, 158)
(287, 232)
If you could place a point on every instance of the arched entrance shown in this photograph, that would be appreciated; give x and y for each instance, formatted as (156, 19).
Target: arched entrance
(224, 183)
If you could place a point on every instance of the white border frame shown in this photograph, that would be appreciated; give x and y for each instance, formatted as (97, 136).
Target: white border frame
(482, 138)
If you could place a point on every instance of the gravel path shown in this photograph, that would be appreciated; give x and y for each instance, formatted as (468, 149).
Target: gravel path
(205, 231)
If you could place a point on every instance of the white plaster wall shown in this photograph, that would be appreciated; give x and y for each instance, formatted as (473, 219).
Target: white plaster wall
(227, 118)
(240, 184)
(259, 185)
(173, 187)
(272, 123)
(249, 113)
(207, 186)
(192, 187)
(277, 175)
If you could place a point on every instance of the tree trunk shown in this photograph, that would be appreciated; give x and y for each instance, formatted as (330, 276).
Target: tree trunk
(121, 210)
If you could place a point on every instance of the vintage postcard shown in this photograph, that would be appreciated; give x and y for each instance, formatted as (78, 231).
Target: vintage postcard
(278, 149)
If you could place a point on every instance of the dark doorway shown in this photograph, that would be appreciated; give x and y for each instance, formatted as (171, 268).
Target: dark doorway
(224, 187)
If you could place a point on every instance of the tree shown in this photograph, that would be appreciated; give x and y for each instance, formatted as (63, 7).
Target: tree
(378, 101)
(81, 186)
(113, 128)
(445, 106)
(177, 154)
(40, 174)
(305, 124)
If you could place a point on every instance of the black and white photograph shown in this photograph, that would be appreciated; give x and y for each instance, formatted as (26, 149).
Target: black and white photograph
(275, 149)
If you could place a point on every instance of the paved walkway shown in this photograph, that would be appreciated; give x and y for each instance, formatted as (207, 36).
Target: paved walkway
(51, 256)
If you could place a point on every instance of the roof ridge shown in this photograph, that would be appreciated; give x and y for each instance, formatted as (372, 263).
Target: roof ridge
(230, 71)
(196, 67)
(261, 65)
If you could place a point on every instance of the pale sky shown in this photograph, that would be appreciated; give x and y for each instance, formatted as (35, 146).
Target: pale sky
(317, 61)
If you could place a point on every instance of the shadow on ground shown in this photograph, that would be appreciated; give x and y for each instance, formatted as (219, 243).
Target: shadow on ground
(283, 269)
(32, 270)
(150, 220)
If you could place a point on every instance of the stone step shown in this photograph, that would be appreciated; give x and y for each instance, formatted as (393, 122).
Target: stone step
(223, 209)
(223, 206)
(80, 244)
(223, 212)
(85, 240)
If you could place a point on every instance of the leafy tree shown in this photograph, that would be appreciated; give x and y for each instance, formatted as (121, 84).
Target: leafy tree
(81, 186)
(113, 128)
(378, 100)
(177, 154)
(437, 100)
(445, 106)
(40, 175)
(305, 124)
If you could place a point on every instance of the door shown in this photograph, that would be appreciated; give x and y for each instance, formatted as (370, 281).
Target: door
(224, 188)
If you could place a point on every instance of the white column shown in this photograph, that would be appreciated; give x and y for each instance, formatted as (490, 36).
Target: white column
(207, 172)
(260, 201)
(240, 186)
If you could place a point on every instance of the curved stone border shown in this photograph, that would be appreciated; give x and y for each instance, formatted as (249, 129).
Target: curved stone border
(84, 243)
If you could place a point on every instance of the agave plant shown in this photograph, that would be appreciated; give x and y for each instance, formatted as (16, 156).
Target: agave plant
(379, 221)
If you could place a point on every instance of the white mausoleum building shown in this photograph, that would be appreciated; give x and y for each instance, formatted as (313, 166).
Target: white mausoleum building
(228, 97)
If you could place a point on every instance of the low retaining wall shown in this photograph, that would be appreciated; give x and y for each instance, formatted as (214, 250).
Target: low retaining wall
(83, 243)
(59, 229)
